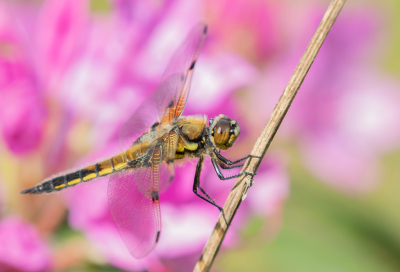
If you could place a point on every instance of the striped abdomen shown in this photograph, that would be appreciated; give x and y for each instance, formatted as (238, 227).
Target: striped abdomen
(101, 169)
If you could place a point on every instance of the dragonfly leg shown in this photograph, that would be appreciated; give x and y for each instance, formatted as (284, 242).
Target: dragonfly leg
(222, 158)
(225, 166)
(221, 176)
(228, 162)
(196, 184)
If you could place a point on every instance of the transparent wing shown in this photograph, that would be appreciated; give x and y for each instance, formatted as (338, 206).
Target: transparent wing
(167, 169)
(169, 99)
(134, 203)
(181, 68)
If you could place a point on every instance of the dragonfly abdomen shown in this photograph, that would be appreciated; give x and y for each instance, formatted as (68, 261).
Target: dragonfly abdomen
(101, 169)
(71, 179)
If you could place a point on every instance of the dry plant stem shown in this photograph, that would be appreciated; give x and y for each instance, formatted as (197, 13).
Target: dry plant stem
(242, 183)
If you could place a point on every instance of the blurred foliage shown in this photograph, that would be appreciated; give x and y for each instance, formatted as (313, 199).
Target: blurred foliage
(392, 55)
(325, 230)
(100, 5)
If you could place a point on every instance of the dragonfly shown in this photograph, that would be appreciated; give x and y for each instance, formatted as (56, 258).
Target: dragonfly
(152, 141)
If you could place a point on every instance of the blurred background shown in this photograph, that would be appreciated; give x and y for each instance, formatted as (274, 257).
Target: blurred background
(326, 196)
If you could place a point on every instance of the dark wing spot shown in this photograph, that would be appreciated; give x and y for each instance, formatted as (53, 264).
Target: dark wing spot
(154, 196)
(205, 29)
(153, 127)
(192, 66)
(171, 104)
(157, 237)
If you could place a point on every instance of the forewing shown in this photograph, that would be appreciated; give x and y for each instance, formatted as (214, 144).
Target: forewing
(140, 122)
(134, 203)
(181, 67)
(169, 99)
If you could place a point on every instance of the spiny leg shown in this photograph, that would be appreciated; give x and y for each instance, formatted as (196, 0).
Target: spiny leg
(222, 158)
(227, 167)
(221, 176)
(196, 184)
(227, 161)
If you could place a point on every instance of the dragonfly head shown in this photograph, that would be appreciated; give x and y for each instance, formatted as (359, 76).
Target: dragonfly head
(224, 131)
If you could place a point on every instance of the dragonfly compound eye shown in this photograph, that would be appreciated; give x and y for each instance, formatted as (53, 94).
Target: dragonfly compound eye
(222, 133)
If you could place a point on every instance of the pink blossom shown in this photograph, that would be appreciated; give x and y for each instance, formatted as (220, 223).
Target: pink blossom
(38, 48)
(22, 248)
(346, 112)
(61, 35)
(248, 27)
(271, 188)
(22, 112)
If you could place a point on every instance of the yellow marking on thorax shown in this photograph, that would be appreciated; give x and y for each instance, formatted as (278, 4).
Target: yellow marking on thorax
(191, 146)
(184, 144)
(193, 127)
(180, 147)
(179, 156)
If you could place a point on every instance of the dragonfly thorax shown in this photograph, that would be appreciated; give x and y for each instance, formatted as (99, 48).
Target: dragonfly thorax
(224, 131)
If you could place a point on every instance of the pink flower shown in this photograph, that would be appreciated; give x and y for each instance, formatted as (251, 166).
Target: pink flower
(271, 188)
(22, 112)
(345, 115)
(38, 48)
(22, 248)
(248, 27)
(61, 37)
